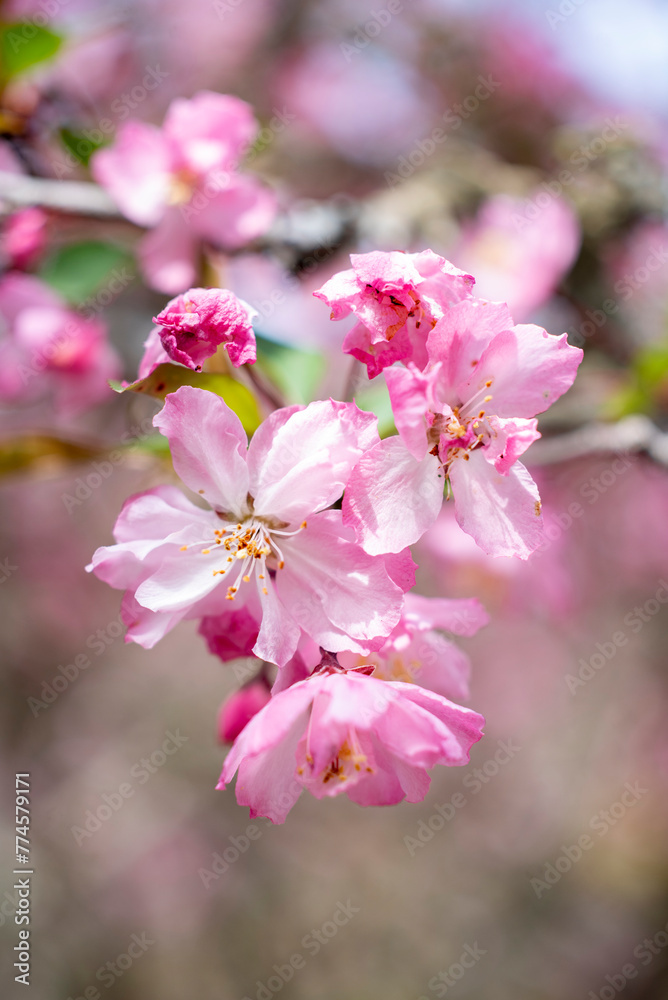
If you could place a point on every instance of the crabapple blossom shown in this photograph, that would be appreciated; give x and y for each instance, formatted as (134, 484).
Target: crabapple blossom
(519, 255)
(397, 299)
(182, 182)
(192, 326)
(49, 350)
(467, 419)
(416, 650)
(267, 541)
(345, 732)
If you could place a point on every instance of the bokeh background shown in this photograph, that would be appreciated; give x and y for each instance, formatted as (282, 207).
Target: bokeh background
(526, 143)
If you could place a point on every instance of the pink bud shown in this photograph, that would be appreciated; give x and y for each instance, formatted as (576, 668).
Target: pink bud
(237, 710)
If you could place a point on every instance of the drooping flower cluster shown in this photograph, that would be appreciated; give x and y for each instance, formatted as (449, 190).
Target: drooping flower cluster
(298, 552)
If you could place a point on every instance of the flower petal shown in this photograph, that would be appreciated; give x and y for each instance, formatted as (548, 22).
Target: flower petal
(392, 498)
(340, 596)
(501, 512)
(529, 369)
(305, 464)
(208, 445)
(136, 172)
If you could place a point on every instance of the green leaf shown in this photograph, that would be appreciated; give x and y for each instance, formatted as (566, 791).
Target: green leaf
(79, 145)
(647, 386)
(297, 373)
(78, 271)
(374, 398)
(168, 378)
(23, 45)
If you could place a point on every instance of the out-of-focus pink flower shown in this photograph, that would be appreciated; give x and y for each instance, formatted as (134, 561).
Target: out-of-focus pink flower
(236, 711)
(193, 326)
(254, 545)
(23, 238)
(397, 298)
(467, 418)
(323, 87)
(49, 349)
(417, 651)
(182, 182)
(519, 250)
(343, 732)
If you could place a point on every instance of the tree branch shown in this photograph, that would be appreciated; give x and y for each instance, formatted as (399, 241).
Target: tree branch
(634, 433)
(75, 197)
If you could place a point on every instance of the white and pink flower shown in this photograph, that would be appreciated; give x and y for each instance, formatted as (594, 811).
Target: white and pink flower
(466, 419)
(267, 541)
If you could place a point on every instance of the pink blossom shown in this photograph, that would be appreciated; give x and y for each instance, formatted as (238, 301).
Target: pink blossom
(467, 419)
(417, 651)
(397, 299)
(267, 540)
(519, 252)
(339, 732)
(236, 711)
(193, 325)
(23, 238)
(50, 350)
(183, 180)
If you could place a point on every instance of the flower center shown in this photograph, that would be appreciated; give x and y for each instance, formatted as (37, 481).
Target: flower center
(349, 762)
(242, 549)
(181, 187)
(458, 434)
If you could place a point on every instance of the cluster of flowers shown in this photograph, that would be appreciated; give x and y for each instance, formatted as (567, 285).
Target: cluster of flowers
(301, 557)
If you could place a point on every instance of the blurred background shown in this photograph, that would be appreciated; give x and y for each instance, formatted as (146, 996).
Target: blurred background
(526, 142)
